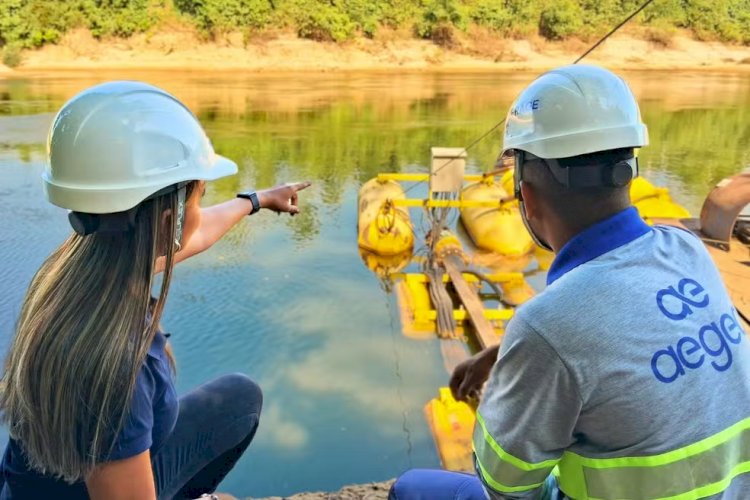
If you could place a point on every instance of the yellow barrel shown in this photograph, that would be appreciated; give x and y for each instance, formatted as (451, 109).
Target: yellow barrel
(452, 425)
(654, 202)
(499, 230)
(383, 228)
(506, 181)
(544, 258)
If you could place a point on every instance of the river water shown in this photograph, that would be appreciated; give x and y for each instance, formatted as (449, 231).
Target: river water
(288, 300)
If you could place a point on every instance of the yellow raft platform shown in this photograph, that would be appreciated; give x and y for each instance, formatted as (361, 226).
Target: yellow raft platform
(488, 212)
(491, 219)
(418, 316)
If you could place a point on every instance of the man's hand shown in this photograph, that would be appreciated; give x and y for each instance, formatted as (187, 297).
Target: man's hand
(469, 377)
(282, 198)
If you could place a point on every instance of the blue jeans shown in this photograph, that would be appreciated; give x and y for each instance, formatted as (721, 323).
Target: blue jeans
(215, 424)
(426, 484)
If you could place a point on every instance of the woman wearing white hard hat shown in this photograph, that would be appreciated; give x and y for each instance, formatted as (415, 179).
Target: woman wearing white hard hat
(87, 392)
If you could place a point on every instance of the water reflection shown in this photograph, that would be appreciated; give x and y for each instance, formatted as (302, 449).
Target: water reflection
(288, 300)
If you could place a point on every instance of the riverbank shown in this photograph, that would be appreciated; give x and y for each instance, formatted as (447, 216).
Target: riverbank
(370, 491)
(636, 49)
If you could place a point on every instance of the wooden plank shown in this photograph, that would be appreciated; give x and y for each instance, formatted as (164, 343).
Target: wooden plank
(470, 299)
(454, 353)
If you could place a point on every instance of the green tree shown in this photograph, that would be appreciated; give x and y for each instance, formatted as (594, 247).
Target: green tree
(560, 19)
(324, 22)
(439, 18)
(493, 15)
(366, 15)
(33, 23)
(212, 15)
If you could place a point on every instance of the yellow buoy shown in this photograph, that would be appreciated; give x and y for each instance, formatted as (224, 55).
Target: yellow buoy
(544, 258)
(506, 181)
(498, 230)
(452, 425)
(655, 202)
(382, 227)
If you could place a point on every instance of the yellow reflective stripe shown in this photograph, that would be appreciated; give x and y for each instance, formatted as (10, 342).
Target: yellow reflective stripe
(501, 470)
(571, 478)
(712, 489)
(502, 488)
(507, 457)
(699, 469)
(668, 457)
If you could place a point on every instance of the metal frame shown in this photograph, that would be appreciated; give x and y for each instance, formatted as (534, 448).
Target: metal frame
(431, 203)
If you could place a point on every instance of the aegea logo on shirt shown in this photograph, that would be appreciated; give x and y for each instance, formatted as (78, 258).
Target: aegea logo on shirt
(678, 304)
(714, 339)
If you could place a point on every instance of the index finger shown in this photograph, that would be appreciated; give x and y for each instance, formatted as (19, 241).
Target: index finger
(299, 186)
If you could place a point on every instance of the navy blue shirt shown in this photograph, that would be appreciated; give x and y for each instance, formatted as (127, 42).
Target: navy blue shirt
(152, 416)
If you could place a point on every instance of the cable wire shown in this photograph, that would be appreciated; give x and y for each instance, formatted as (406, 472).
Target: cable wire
(614, 30)
(499, 124)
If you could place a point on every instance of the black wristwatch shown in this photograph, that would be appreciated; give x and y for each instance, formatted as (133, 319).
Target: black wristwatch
(253, 197)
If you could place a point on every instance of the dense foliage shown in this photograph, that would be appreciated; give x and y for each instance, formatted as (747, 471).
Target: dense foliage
(32, 23)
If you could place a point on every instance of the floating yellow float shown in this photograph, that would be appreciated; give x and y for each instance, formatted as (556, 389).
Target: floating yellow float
(452, 425)
(655, 202)
(418, 315)
(382, 227)
(507, 182)
(498, 230)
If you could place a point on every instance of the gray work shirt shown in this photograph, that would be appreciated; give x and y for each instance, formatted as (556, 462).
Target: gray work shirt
(633, 350)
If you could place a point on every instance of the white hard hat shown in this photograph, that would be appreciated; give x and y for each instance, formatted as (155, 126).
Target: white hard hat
(115, 144)
(572, 111)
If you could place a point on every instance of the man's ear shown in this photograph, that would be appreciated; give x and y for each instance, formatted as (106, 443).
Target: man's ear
(530, 200)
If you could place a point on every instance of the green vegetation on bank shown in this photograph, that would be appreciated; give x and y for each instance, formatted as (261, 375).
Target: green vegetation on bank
(33, 23)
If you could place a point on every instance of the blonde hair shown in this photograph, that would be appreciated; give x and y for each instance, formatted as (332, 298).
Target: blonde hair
(85, 327)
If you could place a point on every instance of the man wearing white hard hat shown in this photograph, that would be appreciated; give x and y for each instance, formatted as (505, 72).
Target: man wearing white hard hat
(88, 393)
(628, 377)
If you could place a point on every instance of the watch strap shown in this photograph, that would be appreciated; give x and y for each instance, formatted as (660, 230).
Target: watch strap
(253, 197)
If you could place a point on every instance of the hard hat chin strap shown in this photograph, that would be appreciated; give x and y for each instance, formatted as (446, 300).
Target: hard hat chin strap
(517, 179)
(180, 223)
(537, 239)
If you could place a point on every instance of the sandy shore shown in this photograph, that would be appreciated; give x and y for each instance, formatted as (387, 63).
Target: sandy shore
(182, 50)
